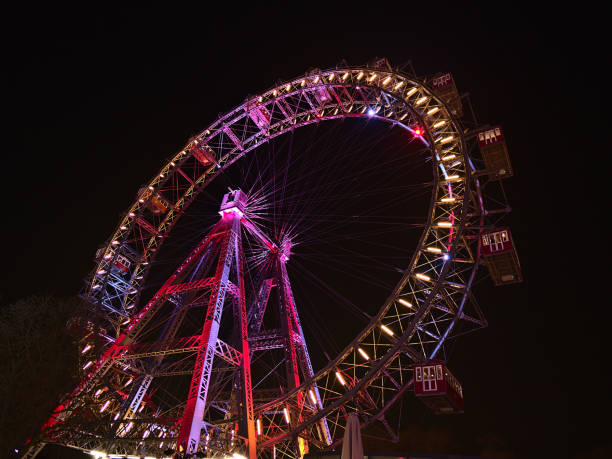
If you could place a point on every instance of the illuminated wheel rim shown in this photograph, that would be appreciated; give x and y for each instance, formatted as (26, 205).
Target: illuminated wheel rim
(422, 311)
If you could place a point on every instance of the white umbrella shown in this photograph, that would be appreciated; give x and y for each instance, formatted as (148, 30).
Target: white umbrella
(352, 447)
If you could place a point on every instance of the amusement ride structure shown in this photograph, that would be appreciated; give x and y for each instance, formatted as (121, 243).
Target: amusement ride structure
(202, 353)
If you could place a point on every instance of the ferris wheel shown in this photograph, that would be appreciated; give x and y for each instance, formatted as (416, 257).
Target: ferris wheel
(280, 273)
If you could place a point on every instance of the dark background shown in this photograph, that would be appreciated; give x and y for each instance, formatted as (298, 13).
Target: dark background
(98, 100)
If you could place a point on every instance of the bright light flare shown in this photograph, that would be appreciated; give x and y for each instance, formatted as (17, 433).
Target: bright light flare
(387, 330)
(448, 199)
(86, 348)
(444, 224)
(340, 378)
(359, 76)
(432, 111)
(363, 353)
(371, 112)
(87, 365)
(258, 426)
(312, 396)
(419, 131)
(434, 249)
(439, 123)
(423, 276)
(106, 403)
(405, 303)
(411, 92)
(421, 100)
(286, 412)
(386, 80)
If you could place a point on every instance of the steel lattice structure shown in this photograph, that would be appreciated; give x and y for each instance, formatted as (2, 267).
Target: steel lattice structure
(368, 377)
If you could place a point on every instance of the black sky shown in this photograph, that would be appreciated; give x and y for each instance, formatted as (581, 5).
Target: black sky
(97, 102)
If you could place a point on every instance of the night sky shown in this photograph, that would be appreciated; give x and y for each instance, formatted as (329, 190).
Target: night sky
(98, 101)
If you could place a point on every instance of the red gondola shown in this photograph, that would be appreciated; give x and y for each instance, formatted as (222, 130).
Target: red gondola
(494, 152)
(499, 254)
(437, 387)
(444, 87)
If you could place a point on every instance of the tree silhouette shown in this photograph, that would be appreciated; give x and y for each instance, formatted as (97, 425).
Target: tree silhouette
(38, 365)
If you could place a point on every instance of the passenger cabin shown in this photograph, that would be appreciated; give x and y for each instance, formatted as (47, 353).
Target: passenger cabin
(494, 152)
(499, 253)
(437, 387)
(121, 263)
(155, 202)
(260, 115)
(204, 154)
(444, 87)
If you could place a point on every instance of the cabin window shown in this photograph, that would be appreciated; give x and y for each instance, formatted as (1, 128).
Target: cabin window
(429, 379)
(419, 376)
(497, 132)
(439, 372)
(485, 239)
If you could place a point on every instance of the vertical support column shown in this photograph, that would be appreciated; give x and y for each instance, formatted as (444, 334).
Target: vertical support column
(288, 327)
(191, 424)
(303, 349)
(141, 385)
(258, 309)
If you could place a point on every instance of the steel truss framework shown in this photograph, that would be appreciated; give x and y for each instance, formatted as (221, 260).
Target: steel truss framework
(422, 312)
